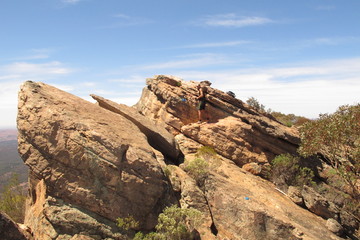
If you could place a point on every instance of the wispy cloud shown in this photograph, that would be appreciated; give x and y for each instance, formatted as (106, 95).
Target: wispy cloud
(233, 20)
(35, 69)
(130, 79)
(71, 1)
(123, 20)
(189, 61)
(217, 44)
(333, 40)
(35, 54)
(325, 7)
(307, 89)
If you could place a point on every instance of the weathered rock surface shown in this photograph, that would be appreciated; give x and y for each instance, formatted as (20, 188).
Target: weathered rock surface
(89, 165)
(85, 161)
(241, 205)
(157, 136)
(10, 230)
(245, 206)
(235, 130)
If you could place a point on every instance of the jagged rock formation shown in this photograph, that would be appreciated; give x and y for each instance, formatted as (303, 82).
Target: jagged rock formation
(236, 131)
(87, 163)
(90, 164)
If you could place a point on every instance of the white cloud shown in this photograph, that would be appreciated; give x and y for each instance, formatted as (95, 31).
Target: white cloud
(126, 21)
(13, 74)
(308, 89)
(217, 44)
(233, 20)
(71, 1)
(120, 15)
(130, 79)
(331, 41)
(28, 69)
(190, 61)
(325, 7)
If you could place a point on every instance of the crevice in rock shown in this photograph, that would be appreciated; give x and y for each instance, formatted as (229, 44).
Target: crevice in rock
(213, 227)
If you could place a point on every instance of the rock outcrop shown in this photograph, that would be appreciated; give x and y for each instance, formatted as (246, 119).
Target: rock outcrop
(235, 130)
(92, 163)
(87, 163)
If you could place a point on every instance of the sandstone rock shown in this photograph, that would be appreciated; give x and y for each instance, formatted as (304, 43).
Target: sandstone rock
(87, 157)
(253, 168)
(10, 230)
(334, 226)
(244, 206)
(192, 197)
(89, 166)
(318, 204)
(236, 131)
(158, 136)
(294, 194)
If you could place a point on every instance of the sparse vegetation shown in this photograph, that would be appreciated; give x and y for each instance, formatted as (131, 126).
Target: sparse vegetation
(198, 169)
(253, 102)
(127, 223)
(287, 170)
(288, 120)
(12, 199)
(336, 137)
(174, 223)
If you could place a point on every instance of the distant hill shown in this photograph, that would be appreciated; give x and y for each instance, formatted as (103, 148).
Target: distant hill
(8, 134)
(10, 161)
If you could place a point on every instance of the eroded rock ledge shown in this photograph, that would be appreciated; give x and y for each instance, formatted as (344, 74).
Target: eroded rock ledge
(90, 164)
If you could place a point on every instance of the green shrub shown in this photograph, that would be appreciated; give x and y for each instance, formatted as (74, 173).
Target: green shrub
(253, 102)
(197, 169)
(286, 170)
(206, 151)
(174, 223)
(336, 138)
(127, 223)
(12, 199)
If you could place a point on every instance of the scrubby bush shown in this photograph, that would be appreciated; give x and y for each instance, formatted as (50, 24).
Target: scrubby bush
(336, 138)
(286, 170)
(206, 151)
(253, 102)
(198, 169)
(127, 223)
(290, 120)
(174, 223)
(12, 199)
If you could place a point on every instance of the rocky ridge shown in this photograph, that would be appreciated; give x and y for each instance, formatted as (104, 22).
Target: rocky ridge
(90, 164)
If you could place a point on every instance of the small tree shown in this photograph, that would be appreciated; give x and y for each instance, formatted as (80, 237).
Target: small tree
(198, 169)
(12, 199)
(287, 170)
(253, 102)
(174, 223)
(336, 137)
(178, 223)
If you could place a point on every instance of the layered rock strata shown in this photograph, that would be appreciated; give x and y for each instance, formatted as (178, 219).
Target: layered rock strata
(91, 164)
(235, 130)
(86, 162)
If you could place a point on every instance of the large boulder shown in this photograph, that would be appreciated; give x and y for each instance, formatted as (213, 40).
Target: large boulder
(235, 130)
(85, 160)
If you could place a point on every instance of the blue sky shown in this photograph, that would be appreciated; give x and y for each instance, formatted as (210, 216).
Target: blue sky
(300, 57)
